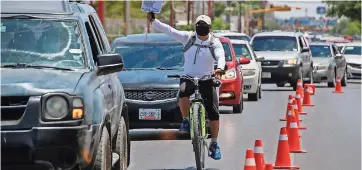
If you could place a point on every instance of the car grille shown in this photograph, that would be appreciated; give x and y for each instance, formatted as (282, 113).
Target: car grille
(13, 107)
(355, 65)
(270, 63)
(151, 95)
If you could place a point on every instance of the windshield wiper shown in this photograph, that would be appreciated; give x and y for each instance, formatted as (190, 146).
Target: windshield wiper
(166, 68)
(23, 65)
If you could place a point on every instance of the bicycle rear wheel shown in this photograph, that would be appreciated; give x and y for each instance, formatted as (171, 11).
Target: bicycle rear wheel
(198, 139)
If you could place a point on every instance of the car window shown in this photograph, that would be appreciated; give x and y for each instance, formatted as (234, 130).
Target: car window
(150, 55)
(242, 50)
(228, 56)
(275, 43)
(354, 50)
(320, 51)
(55, 43)
(246, 38)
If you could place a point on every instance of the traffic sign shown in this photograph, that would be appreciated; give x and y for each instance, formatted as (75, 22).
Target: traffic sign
(321, 10)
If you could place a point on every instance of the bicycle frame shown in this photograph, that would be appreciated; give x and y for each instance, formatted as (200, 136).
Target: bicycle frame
(198, 101)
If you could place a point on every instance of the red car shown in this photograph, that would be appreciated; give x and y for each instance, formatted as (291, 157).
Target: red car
(231, 90)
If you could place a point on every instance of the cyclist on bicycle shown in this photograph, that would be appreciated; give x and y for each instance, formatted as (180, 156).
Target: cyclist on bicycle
(199, 61)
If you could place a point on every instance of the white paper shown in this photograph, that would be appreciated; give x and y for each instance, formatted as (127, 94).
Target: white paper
(151, 6)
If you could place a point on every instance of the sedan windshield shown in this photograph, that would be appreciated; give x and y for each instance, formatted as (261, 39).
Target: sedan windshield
(320, 50)
(354, 50)
(242, 50)
(55, 43)
(246, 38)
(275, 43)
(151, 55)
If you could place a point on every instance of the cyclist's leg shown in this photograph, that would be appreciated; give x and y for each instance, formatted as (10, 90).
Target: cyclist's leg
(209, 95)
(187, 88)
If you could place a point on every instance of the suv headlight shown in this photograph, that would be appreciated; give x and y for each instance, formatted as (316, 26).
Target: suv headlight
(57, 107)
(322, 67)
(61, 106)
(291, 62)
(230, 74)
(248, 72)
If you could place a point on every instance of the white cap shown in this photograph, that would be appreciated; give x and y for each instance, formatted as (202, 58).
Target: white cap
(204, 18)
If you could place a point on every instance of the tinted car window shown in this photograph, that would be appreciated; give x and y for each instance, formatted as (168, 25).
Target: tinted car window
(42, 42)
(275, 43)
(246, 38)
(356, 50)
(320, 50)
(228, 56)
(151, 55)
(241, 50)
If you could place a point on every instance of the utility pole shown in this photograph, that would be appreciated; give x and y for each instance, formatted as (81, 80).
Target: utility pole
(209, 9)
(239, 17)
(127, 17)
(192, 11)
(203, 7)
(171, 15)
(101, 10)
(188, 11)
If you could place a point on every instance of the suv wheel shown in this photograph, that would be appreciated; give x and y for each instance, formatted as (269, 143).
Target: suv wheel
(333, 83)
(344, 78)
(122, 146)
(300, 76)
(104, 153)
(259, 91)
(254, 96)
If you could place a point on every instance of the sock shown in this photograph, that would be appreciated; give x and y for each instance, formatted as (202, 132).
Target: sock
(213, 140)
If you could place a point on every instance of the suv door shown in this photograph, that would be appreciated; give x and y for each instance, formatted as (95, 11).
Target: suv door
(340, 62)
(304, 56)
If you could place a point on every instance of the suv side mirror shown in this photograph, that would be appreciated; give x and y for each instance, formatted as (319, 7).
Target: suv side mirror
(338, 56)
(305, 49)
(244, 60)
(109, 63)
(259, 59)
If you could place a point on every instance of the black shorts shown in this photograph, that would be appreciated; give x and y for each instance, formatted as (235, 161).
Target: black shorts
(208, 93)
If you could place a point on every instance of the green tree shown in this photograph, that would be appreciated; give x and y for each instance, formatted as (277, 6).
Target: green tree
(347, 27)
(349, 9)
(219, 24)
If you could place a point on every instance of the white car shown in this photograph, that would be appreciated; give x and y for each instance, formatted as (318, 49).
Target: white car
(233, 35)
(251, 71)
(352, 53)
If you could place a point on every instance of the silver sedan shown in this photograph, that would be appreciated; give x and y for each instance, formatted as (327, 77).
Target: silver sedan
(328, 64)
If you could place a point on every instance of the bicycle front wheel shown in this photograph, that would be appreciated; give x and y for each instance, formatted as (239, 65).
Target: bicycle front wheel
(198, 140)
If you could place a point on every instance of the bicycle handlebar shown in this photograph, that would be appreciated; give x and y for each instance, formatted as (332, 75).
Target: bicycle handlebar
(215, 81)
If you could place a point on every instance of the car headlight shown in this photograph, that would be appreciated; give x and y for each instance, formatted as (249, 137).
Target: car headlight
(249, 72)
(56, 107)
(230, 74)
(291, 62)
(322, 67)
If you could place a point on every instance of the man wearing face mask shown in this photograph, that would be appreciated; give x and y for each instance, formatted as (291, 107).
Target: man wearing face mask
(200, 53)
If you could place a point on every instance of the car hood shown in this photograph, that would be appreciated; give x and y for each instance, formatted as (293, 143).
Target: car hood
(321, 60)
(277, 55)
(353, 58)
(148, 79)
(34, 82)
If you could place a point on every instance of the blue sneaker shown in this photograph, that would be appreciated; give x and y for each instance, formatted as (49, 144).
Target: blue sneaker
(215, 151)
(185, 127)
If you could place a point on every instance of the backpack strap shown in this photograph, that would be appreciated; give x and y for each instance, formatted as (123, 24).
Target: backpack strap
(212, 47)
(192, 40)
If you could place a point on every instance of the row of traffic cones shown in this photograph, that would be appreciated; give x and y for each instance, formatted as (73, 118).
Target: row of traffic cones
(289, 138)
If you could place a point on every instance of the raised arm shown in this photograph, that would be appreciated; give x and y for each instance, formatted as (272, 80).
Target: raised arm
(180, 36)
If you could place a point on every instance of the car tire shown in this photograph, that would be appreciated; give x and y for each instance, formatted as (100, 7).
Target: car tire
(122, 146)
(254, 96)
(260, 91)
(344, 79)
(104, 154)
(300, 76)
(333, 83)
(240, 107)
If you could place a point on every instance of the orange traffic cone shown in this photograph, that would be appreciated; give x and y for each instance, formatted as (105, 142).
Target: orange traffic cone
(259, 155)
(290, 102)
(299, 102)
(295, 107)
(291, 114)
(311, 89)
(338, 86)
(283, 160)
(249, 160)
(293, 136)
(300, 87)
(269, 167)
(306, 99)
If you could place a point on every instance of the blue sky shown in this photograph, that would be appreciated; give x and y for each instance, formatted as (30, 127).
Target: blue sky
(311, 7)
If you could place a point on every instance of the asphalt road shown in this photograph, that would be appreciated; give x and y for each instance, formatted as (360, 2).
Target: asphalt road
(332, 138)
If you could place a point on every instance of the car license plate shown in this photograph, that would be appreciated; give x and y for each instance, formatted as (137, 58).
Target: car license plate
(266, 75)
(149, 114)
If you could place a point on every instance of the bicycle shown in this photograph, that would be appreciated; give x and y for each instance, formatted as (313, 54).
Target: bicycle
(198, 130)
